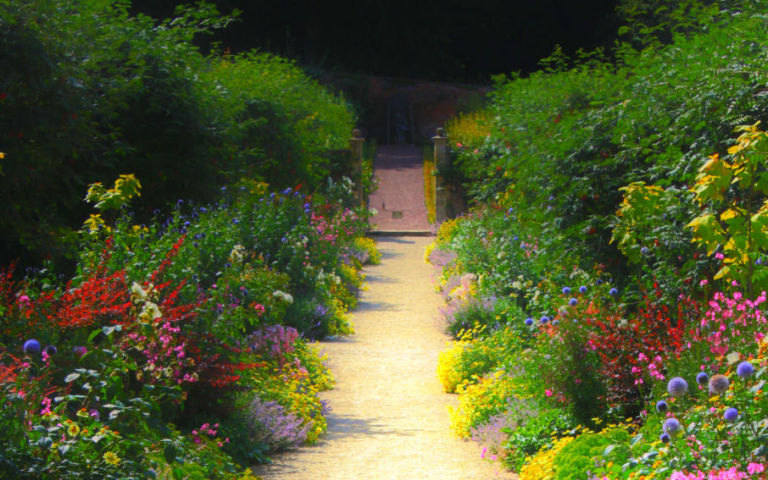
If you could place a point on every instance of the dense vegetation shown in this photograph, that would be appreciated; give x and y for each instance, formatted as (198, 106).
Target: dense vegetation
(209, 232)
(606, 290)
(89, 92)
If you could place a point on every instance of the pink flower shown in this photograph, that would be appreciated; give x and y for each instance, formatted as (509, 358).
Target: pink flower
(754, 468)
(719, 256)
(548, 392)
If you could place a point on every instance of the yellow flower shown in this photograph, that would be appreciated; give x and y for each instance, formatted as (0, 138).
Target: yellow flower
(73, 430)
(111, 458)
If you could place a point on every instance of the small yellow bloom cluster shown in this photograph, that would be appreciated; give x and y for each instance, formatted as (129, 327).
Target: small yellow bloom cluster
(368, 245)
(542, 465)
(447, 366)
(479, 401)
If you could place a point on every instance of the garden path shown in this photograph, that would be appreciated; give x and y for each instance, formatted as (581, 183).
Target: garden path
(399, 200)
(389, 418)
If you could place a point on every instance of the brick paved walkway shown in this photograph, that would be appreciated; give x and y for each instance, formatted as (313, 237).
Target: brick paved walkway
(399, 199)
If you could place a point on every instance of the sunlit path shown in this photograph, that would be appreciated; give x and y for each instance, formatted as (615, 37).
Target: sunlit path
(389, 418)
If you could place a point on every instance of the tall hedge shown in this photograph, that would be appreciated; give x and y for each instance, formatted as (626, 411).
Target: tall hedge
(89, 92)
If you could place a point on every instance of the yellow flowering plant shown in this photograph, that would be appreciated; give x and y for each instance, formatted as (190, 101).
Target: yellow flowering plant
(734, 221)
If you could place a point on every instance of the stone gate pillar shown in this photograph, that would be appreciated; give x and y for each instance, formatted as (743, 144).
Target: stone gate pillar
(442, 163)
(356, 149)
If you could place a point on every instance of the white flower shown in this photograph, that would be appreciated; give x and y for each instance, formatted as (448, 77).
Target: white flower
(286, 297)
(138, 293)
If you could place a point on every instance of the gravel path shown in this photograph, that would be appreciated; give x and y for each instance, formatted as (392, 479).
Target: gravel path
(388, 418)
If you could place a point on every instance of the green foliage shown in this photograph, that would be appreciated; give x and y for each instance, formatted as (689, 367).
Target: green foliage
(735, 219)
(563, 142)
(90, 92)
(576, 460)
(536, 432)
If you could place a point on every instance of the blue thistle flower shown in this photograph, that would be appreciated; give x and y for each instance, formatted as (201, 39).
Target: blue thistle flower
(573, 302)
(544, 319)
(566, 290)
(644, 250)
(31, 347)
(718, 384)
(661, 406)
(582, 289)
(613, 292)
(672, 426)
(731, 415)
(677, 387)
(702, 378)
(529, 321)
(51, 350)
(745, 369)
(664, 437)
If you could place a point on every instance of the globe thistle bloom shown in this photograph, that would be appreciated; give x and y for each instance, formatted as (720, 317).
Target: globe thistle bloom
(718, 384)
(665, 437)
(544, 319)
(613, 292)
(677, 387)
(731, 414)
(661, 406)
(566, 290)
(573, 302)
(644, 250)
(529, 321)
(582, 289)
(672, 426)
(31, 347)
(745, 369)
(702, 378)
(51, 350)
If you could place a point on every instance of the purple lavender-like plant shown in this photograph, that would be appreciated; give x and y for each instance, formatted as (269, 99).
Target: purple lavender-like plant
(272, 425)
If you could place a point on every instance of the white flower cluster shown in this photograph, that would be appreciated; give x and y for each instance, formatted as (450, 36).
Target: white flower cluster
(237, 255)
(284, 296)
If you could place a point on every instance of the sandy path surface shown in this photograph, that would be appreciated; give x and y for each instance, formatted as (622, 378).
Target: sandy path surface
(389, 418)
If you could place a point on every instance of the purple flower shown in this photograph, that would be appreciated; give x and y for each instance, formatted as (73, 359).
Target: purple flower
(544, 319)
(718, 384)
(582, 289)
(665, 437)
(566, 290)
(51, 350)
(31, 347)
(529, 321)
(573, 302)
(644, 250)
(613, 292)
(677, 387)
(702, 378)
(672, 426)
(745, 369)
(731, 414)
(661, 406)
